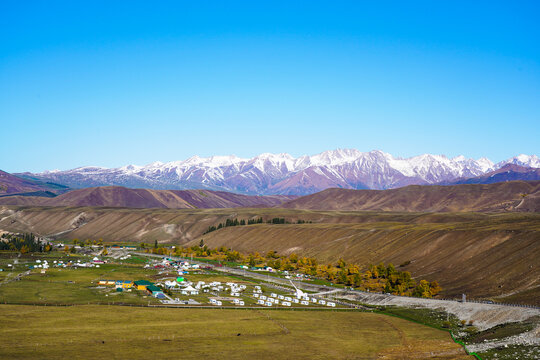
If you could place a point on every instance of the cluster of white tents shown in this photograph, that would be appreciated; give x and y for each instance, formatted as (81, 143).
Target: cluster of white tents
(43, 264)
(189, 288)
(185, 287)
(234, 288)
(236, 302)
(300, 298)
(269, 301)
(305, 300)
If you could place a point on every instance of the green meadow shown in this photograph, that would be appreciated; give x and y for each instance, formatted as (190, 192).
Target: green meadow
(39, 332)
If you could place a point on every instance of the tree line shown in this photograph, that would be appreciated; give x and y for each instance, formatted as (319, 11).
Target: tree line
(24, 243)
(259, 220)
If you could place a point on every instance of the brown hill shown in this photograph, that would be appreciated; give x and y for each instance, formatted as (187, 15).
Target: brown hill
(116, 196)
(506, 196)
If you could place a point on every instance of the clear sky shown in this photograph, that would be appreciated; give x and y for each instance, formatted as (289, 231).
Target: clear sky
(111, 83)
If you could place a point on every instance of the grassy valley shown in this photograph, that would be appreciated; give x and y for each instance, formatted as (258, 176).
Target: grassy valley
(482, 255)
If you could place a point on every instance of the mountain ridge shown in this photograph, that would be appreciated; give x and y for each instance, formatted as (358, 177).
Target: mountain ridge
(508, 172)
(283, 174)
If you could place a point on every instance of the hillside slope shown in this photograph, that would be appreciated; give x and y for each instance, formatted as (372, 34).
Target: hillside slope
(116, 196)
(507, 196)
(482, 255)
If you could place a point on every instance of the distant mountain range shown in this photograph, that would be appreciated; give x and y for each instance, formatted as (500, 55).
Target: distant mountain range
(508, 172)
(271, 174)
(17, 185)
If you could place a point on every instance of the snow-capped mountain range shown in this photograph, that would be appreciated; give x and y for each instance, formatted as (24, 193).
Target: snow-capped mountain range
(283, 174)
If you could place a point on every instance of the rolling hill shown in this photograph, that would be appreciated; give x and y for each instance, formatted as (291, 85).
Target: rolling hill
(482, 255)
(505, 196)
(116, 196)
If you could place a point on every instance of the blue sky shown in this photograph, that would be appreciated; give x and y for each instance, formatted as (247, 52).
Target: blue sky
(113, 83)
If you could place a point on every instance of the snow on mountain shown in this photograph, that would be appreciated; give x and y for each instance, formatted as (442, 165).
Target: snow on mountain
(522, 160)
(284, 174)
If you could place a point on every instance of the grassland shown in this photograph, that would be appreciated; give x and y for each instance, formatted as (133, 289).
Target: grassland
(70, 286)
(31, 332)
(61, 286)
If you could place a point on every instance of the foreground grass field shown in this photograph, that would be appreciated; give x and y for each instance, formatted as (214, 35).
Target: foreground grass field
(114, 332)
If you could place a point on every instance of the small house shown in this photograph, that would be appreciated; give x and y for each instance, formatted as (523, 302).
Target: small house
(142, 284)
(154, 290)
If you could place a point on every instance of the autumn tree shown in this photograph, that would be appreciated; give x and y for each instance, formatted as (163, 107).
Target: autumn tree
(434, 288)
(293, 258)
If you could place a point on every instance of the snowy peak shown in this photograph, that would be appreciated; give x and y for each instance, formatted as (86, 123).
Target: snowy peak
(335, 157)
(522, 160)
(284, 174)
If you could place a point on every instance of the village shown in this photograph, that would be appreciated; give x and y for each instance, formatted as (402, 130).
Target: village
(122, 278)
(178, 289)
